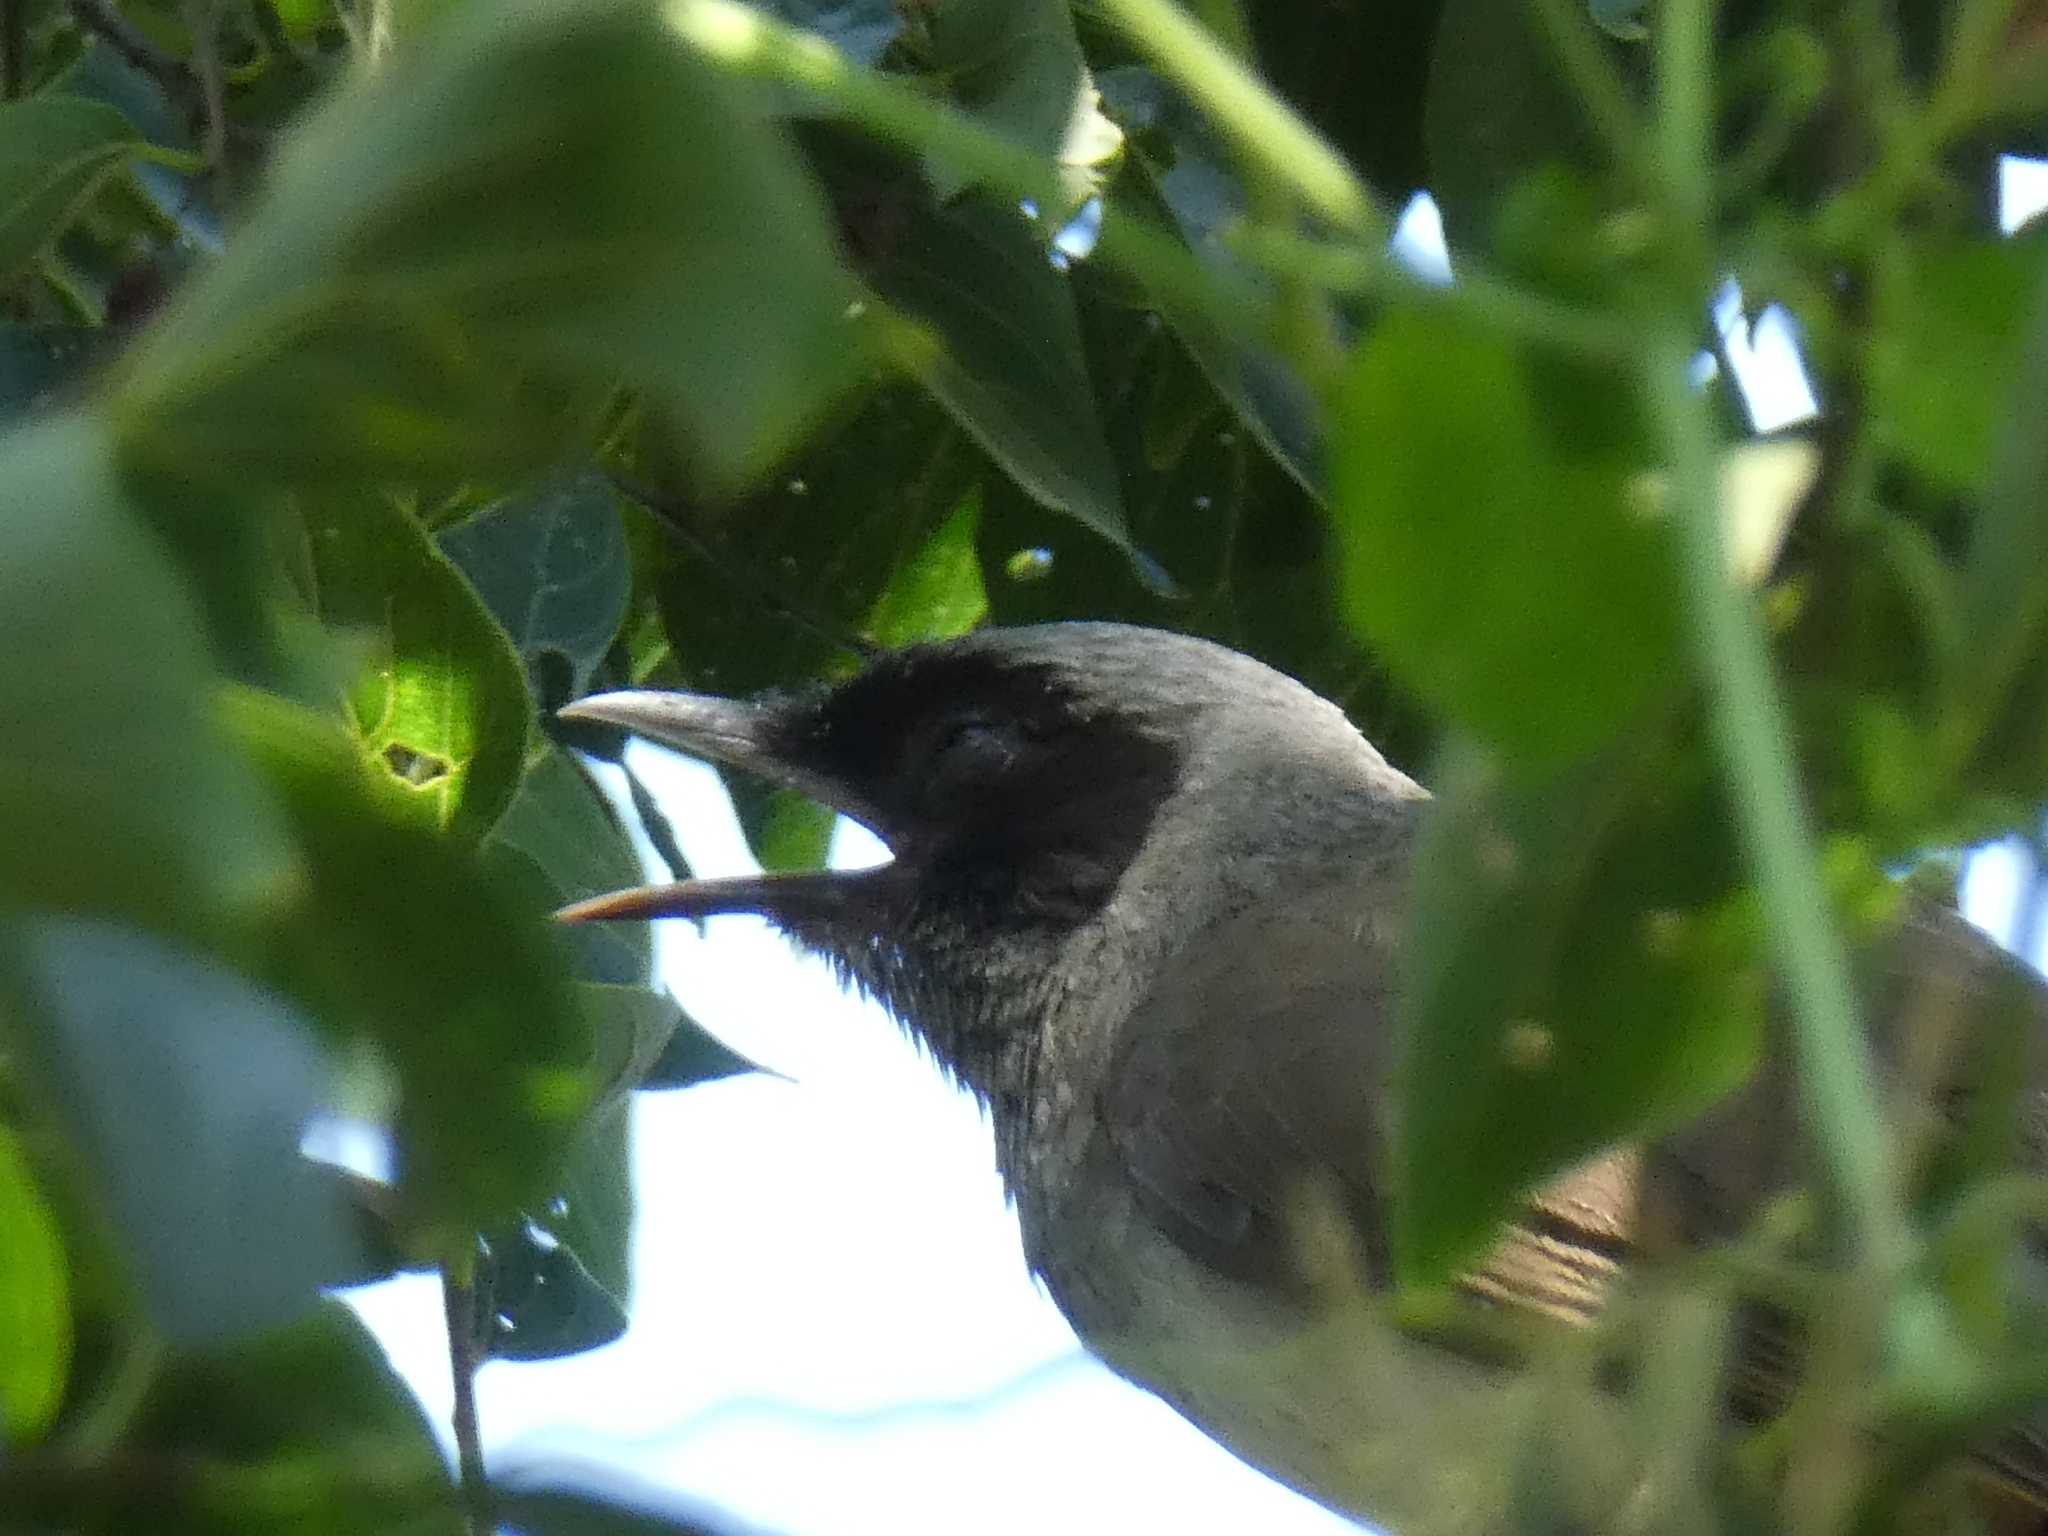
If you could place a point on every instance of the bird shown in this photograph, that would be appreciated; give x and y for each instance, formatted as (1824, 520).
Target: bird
(1147, 901)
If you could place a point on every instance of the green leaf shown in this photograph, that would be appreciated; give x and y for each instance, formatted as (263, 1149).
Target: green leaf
(1490, 559)
(751, 595)
(54, 151)
(1998, 678)
(117, 792)
(1940, 380)
(542, 1511)
(1181, 170)
(552, 566)
(561, 841)
(937, 593)
(402, 939)
(1497, 109)
(1247, 555)
(693, 1055)
(440, 701)
(562, 1280)
(1580, 972)
(187, 1091)
(456, 261)
(785, 830)
(1007, 363)
(1016, 66)
(255, 1450)
(35, 1302)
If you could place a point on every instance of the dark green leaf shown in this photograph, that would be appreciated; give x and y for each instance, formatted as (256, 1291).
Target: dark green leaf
(35, 1301)
(561, 840)
(1016, 66)
(117, 793)
(1495, 561)
(35, 364)
(1497, 108)
(400, 938)
(540, 1511)
(1580, 973)
(753, 596)
(1248, 556)
(1941, 382)
(440, 702)
(694, 1055)
(1998, 679)
(1182, 170)
(552, 567)
(187, 1090)
(356, 1457)
(454, 263)
(562, 1280)
(1006, 360)
(53, 152)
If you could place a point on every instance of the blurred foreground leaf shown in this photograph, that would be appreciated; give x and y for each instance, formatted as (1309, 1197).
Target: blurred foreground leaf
(1491, 553)
(117, 791)
(1580, 970)
(187, 1091)
(456, 261)
(403, 938)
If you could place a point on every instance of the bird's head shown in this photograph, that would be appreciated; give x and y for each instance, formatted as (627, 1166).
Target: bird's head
(1018, 776)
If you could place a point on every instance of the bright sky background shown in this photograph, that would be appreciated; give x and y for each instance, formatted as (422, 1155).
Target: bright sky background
(833, 1330)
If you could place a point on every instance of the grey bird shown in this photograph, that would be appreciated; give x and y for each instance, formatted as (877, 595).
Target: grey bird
(1146, 902)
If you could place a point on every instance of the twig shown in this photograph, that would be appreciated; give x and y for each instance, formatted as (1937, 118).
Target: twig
(459, 1302)
(167, 69)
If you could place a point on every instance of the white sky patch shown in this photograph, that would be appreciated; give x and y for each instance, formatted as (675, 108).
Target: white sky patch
(1419, 239)
(833, 1330)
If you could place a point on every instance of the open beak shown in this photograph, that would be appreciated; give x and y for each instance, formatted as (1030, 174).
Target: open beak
(738, 734)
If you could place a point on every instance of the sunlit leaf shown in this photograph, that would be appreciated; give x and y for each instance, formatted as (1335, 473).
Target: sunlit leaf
(440, 702)
(35, 1301)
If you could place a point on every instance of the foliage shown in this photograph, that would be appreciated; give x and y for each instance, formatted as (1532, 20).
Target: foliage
(557, 346)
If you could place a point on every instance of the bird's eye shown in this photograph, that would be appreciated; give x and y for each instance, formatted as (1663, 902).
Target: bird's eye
(973, 749)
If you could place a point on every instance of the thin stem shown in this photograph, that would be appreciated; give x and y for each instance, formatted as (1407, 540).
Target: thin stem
(1685, 123)
(1271, 139)
(169, 71)
(1520, 312)
(1595, 80)
(459, 1308)
(1839, 1089)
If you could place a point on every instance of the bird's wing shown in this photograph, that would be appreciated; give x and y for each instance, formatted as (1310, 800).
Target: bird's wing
(1258, 1060)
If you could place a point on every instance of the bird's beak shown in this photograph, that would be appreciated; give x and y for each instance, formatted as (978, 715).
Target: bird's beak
(738, 734)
